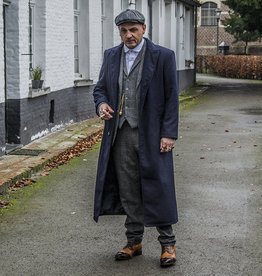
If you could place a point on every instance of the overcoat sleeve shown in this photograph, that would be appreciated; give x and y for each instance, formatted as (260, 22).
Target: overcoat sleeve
(169, 127)
(100, 91)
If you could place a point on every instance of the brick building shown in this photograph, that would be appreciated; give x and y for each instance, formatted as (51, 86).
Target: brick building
(207, 31)
(67, 39)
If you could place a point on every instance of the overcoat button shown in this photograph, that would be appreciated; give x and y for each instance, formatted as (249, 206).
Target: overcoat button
(108, 133)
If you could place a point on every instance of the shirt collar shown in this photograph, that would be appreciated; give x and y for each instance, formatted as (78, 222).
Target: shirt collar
(137, 49)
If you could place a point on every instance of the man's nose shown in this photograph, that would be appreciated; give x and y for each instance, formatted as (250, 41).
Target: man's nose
(128, 34)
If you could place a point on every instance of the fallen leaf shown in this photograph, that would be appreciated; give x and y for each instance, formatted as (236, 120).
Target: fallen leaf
(44, 173)
(22, 183)
(255, 145)
(238, 147)
(226, 130)
(73, 213)
(234, 142)
(202, 157)
(3, 204)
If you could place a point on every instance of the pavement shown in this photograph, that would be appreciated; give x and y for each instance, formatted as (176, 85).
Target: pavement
(49, 230)
(15, 167)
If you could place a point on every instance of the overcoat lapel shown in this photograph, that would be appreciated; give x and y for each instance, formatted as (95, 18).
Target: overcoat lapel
(115, 67)
(150, 62)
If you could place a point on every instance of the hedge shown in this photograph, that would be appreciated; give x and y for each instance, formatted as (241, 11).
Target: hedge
(232, 66)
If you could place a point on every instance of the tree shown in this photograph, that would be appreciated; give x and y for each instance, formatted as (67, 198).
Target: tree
(245, 20)
(250, 11)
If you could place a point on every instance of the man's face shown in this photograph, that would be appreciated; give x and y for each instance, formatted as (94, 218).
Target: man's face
(132, 34)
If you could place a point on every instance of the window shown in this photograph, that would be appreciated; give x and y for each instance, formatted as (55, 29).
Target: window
(107, 18)
(31, 36)
(208, 14)
(36, 35)
(76, 37)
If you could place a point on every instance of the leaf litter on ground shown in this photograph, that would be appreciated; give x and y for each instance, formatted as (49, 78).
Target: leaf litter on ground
(63, 158)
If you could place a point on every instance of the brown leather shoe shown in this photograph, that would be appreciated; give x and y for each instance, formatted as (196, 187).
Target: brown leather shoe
(129, 251)
(168, 256)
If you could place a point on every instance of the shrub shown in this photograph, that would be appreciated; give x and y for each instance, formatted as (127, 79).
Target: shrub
(231, 66)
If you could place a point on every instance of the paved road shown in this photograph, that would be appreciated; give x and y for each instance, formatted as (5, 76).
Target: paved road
(219, 190)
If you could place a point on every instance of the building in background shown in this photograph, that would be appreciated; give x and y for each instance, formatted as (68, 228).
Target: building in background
(207, 31)
(67, 40)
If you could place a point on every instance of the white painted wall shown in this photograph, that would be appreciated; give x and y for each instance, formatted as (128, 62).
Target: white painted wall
(13, 50)
(95, 41)
(2, 92)
(23, 48)
(142, 6)
(54, 39)
(116, 11)
(59, 70)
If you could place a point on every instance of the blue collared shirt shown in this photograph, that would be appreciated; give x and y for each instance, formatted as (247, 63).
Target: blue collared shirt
(131, 54)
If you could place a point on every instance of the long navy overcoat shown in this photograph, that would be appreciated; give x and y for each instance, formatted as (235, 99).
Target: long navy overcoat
(158, 117)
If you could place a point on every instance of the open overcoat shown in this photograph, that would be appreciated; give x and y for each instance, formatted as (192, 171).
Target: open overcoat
(158, 117)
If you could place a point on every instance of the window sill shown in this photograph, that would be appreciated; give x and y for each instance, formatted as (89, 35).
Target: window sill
(83, 82)
(33, 93)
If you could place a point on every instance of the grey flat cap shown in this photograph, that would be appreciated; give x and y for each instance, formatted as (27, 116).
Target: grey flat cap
(133, 16)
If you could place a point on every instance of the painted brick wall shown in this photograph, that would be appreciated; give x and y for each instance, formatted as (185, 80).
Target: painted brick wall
(2, 96)
(23, 48)
(95, 41)
(70, 105)
(59, 70)
(2, 129)
(117, 10)
(12, 51)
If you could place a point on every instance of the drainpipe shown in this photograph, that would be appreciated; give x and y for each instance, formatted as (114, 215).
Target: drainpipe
(195, 49)
(150, 19)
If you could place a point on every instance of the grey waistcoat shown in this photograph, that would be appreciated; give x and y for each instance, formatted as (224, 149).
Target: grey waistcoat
(129, 85)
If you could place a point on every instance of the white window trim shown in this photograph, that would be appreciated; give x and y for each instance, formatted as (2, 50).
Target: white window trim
(77, 13)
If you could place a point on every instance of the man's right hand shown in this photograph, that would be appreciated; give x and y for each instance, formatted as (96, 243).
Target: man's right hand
(105, 112)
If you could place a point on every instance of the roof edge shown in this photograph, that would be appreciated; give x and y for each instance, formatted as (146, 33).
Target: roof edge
(191, 2)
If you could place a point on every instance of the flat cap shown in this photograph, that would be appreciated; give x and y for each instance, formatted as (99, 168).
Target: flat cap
(128, 15)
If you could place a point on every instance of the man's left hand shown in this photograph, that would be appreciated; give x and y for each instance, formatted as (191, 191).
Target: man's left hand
(166, 144)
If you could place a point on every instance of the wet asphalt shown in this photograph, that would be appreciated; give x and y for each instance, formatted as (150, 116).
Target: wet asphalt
(218, 172)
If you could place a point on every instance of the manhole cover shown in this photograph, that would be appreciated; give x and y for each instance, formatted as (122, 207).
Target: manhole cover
(31, 152)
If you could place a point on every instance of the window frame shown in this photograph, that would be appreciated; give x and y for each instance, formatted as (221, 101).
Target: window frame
(76, 39)
(210, 19)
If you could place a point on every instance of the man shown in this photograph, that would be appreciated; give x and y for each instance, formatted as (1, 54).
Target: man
(137, 96)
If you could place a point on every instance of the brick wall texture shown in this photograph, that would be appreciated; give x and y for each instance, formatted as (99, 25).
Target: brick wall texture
(2, 128)
(70, 105)
(207, 37)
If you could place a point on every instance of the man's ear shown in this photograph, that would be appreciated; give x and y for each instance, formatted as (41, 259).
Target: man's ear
(144, 27)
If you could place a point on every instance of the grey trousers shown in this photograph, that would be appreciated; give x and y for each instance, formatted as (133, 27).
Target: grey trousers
(126, 160)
